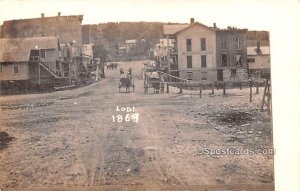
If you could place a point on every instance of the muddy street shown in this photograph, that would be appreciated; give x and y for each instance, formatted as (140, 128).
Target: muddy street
(79, 140)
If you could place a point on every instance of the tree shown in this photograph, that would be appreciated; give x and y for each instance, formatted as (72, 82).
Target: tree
(100, 52)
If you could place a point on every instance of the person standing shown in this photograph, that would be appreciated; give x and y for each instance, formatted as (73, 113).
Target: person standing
(130, 72)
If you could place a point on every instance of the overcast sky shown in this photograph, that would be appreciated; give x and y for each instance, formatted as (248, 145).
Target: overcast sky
(253, 14)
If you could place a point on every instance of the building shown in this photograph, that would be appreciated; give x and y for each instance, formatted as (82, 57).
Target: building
(195, 54)
(164, 43)
(87, 54)
(130, 44)
(66, 28)
(170, 33)
(38, 61)
(258, 58)
(207, 53)
(231, 54)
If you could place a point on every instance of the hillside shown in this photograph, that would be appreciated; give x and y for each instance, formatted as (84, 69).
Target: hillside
(108, 37)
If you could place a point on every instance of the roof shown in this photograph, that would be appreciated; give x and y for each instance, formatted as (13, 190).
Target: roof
(254, 42)
(265, 50)
(43, 19)
(194, 24)
(18, 49)
(173, 28)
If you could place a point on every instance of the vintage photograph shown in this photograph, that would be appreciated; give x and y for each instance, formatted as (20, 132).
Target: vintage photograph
(96, 97)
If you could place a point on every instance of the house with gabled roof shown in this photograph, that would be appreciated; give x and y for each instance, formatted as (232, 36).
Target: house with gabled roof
(200, 52)
(258, 58)
(194, 55)
(38, 61)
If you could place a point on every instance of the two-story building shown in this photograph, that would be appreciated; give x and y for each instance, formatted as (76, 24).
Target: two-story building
(36, 61)
(66, 28)
(197, 52)
(207, 53)
(231, 54)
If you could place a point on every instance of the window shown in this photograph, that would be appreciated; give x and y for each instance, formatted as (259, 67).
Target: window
(238, 59)
(233, 73)
(224, 59)
(188, 44)
(16, 69)
(238, 43)
(43, 54)
(204, 75)
(190, 75)
(203, 44)
(189, 62)
(251, 60)
(34, 55)
(223, 45)
(203, 61)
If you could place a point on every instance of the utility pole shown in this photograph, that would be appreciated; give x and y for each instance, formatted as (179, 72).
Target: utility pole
(168, 62)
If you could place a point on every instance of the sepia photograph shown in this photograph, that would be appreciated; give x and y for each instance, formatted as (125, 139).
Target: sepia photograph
(146, 95)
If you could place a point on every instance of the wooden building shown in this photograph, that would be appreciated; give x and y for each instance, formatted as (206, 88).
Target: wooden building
(231, 54)
(66, 28)
(258, 58)
(39, 61)
(207, 53)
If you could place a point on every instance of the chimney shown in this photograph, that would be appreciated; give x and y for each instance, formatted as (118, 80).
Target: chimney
(192, 20)
(59, 13)
(215, 25)
(258, 50)
(42, 15)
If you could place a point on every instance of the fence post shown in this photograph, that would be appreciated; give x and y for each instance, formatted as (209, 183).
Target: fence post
(212, 88)
(200, 90)
(257, 87)
(180, 89)
(241, 86)
(250, 90)
(224, 88)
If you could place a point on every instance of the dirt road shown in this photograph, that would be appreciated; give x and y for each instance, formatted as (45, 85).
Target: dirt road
(68, 140)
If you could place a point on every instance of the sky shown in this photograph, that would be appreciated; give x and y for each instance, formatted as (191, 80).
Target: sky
(254, 14)
(280, 17)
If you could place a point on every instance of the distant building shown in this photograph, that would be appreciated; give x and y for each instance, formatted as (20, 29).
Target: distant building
(258, 58)
(66, 28)
(164, 43)
(170, 33)
(87, 54)
(130, 44)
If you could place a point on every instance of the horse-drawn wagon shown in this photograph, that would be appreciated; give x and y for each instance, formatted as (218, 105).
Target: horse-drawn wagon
(126, 82)
(155, 81)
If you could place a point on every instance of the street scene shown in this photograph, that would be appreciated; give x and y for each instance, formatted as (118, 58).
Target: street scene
(134, 106)
(69, 139)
